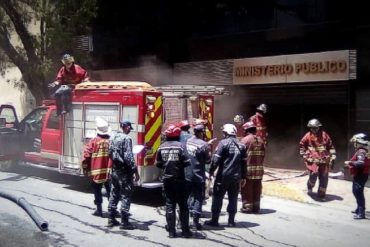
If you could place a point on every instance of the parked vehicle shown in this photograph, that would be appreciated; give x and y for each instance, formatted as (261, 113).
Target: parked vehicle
(45, 139)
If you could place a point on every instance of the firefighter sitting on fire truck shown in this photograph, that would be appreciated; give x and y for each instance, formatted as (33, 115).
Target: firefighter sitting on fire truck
(318, 152)
(68, 76)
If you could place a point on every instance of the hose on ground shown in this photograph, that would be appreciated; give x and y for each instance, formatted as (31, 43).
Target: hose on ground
(40, 222)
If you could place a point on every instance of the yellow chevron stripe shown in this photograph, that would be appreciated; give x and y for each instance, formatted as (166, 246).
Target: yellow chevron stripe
(158, 103)
(157, 143)
(153, 128)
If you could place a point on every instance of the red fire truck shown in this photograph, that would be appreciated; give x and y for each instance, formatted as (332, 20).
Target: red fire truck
(42, 138)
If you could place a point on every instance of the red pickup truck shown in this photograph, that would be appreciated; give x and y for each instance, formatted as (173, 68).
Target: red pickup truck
(21, 141)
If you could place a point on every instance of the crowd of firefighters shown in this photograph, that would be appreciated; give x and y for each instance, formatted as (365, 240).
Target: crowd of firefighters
(236, 165)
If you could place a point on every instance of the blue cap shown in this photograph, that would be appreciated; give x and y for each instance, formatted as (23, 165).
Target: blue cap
(126, 123)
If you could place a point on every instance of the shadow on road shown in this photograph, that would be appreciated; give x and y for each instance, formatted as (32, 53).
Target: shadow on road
(267, 211)
(328, 198)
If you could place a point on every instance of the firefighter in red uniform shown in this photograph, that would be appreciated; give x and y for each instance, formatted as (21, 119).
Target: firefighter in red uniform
(318, 152)
(251, 191)
(68, 76)
(96, 163)
(359, 166)
(260, 122)
(239, 121)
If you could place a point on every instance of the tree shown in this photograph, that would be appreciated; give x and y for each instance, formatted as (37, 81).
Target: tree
(37, 55)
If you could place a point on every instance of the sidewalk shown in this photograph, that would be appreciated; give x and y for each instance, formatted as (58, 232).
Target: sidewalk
(291, 185)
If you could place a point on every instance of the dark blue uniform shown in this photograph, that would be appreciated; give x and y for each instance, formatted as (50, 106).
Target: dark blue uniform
(230, 159)
(171, 157)
(199, 154)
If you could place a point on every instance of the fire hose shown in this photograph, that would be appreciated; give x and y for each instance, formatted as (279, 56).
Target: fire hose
(40, 222)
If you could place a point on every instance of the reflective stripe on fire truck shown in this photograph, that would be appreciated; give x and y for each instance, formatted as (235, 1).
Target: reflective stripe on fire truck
(208, 116)
(153, 127)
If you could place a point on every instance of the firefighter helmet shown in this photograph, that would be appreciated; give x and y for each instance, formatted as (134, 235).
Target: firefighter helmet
(262, 108)
(239, 119)
(314, 123)
(199, 128)
(199, 121)
(229, 129)
(360, 138)
(184, 124)
(172, 131)
(67, 59)
(249, 125)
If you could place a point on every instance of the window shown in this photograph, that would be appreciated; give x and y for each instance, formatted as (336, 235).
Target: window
(53, 122)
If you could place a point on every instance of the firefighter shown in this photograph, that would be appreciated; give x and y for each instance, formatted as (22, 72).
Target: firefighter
(199, 154)
(239, 121)
(318, 152)
(359, 166)
(251, 191)
(68, 76)
(230, 160)
(124, 171)
(185, 130)
(96, 163)
(172, 158)
(259, 121)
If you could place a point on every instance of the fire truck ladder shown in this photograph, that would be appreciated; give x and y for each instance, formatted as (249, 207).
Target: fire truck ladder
(191, 90)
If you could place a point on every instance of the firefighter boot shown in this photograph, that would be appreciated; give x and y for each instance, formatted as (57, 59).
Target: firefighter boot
(125, 224)
(184, 218)
(256, 207)
(231, 220)
(171, 224)
(98, 211)
(247, 208)
(112, 219)
(196, 223)
(360, 215)
(212, 222)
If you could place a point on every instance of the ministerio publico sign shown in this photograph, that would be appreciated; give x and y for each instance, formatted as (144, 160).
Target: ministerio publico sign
(321, 66)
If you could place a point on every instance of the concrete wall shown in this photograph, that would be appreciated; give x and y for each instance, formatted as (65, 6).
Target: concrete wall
(20, 98)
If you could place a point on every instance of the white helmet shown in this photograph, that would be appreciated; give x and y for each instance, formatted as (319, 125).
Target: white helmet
(262, 108)
(229, 129)
(239, 119)
(314, 123)
(360, 138)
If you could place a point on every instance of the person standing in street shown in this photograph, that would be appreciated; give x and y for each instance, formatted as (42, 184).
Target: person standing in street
(172, 159)
(318, 152)
(199, 154)
(359, 166)
(123, 174)
(97, 164)
(259, 121)
(230, 161)
(68, 77)
(252, 190)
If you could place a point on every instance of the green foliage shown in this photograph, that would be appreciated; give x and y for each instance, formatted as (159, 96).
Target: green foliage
(55, 23)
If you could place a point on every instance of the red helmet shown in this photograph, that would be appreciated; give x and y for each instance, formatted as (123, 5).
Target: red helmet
(172, 131)
(183, 123)
(249, 125)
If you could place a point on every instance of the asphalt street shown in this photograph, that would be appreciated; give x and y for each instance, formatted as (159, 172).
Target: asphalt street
(66, 203)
